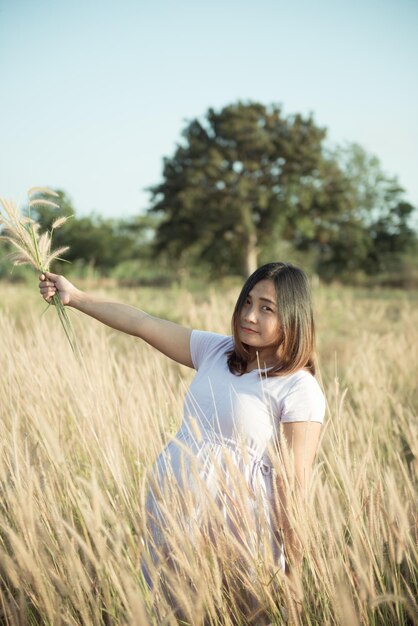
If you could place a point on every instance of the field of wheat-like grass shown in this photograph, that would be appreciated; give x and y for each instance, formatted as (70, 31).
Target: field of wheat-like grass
(77, 440)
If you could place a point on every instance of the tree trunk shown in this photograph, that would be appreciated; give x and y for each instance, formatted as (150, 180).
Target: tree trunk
(251, 255)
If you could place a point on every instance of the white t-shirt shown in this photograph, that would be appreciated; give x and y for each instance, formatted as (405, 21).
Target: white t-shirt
(248, 407)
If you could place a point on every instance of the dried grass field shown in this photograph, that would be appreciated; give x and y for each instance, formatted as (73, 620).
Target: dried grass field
(77, 440)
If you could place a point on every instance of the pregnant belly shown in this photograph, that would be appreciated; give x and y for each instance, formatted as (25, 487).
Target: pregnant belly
(212, 489)
(208, 479)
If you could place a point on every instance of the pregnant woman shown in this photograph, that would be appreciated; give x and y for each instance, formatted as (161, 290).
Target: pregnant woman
(218, 479)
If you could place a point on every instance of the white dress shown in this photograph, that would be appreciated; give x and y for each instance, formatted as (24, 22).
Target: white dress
(218, 465)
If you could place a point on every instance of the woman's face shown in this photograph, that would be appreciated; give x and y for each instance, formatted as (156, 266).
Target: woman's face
(259, 326)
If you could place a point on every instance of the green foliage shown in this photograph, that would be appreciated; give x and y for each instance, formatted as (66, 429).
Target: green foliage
(246, 180)
(133, 273)
(371, 230)
(230, 183)
(96, 241)
(17, 274)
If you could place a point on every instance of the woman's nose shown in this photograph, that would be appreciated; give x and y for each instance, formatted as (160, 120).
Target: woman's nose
(249, 315)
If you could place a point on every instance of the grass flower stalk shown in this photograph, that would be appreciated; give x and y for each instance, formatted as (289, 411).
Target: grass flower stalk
(30, 247)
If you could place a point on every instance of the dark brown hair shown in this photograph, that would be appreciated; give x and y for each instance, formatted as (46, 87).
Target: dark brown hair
(294, 310)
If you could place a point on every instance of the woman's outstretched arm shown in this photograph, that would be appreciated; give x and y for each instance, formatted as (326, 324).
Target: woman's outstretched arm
(171, 339)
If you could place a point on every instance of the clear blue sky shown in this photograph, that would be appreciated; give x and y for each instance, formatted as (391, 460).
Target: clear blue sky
(94, 93)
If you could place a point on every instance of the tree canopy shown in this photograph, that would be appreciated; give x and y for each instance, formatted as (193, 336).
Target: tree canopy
(247, 176)
(225, 188)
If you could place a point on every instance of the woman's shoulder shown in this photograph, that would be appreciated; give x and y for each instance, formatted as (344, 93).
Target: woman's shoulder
(205, 345)
(302, 381)
(303, 377)
(300, 397)
(300, 378)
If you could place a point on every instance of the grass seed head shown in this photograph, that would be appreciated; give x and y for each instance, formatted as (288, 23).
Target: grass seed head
(43, 202)
(60, 221)
(43, 190)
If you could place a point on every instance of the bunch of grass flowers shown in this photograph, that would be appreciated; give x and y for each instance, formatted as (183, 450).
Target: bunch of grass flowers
(33, 248)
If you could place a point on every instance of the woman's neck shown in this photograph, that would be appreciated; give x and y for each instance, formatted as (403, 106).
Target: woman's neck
(261, 361)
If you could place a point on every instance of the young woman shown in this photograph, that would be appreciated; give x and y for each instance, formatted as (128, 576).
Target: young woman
(217, 474)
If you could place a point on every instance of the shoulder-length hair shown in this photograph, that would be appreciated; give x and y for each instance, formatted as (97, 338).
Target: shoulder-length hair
(296, 339)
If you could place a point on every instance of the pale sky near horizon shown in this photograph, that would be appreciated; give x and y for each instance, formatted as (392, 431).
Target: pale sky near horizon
(95, 93)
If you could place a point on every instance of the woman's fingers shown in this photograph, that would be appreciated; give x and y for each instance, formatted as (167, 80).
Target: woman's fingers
(51, 276)
(48, 277)
(47, 289)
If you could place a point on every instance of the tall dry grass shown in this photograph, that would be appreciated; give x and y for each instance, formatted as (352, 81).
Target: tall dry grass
(76, 445)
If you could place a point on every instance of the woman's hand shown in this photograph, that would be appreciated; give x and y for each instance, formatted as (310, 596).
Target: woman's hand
(50, 284)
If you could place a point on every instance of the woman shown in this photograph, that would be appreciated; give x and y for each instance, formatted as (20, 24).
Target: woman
(215, 478)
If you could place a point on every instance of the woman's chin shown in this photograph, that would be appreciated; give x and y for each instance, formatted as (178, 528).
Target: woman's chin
(251, 342)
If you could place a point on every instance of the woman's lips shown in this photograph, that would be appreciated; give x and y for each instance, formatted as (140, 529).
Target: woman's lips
(248, 330)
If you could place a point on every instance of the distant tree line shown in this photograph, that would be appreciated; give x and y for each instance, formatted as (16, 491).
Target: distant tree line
(245, 185)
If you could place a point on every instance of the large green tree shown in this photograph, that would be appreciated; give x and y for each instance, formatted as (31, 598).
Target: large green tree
(231, 182)
(246, 177)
